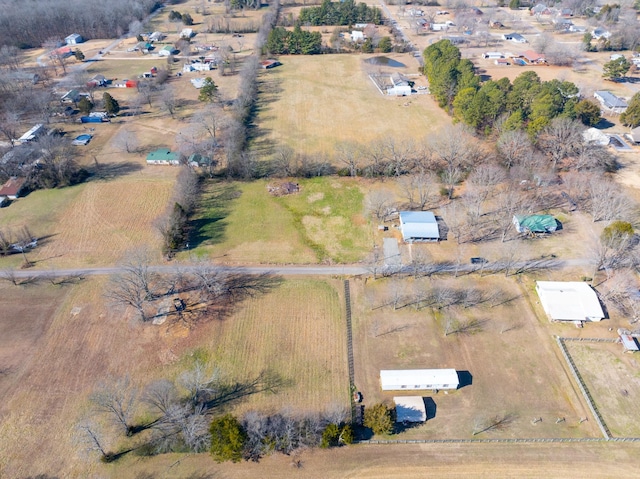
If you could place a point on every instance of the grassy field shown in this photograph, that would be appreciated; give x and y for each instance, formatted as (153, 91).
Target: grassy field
(67, 340)
(318, 101)
(242, 222)
(614, 382)
(514, 366)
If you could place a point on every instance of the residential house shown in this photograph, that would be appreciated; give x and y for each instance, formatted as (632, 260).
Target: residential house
(493, 55)
(610, 102)
(72, 96)
(414, 12)
(418, 379)
(156, 37)
(401, 85)
(12, 189)
(357, 36)
(540, 9)
(33, 133)
(577, 29)
(187, 33)
(514, 37)
(599, 33)
(197, 67)
(97, 80)
(73, 39)
(125, 84)
(167, 50)
(534, 58)
(535, 224)
(163, 156)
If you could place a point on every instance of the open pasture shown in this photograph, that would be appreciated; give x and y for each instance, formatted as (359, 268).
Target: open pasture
(510, 364)
(613, 380)
(242, 222)
(319, 101)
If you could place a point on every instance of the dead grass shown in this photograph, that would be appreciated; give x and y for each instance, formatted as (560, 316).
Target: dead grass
(511, 355)
(325, 99)
(614, 382)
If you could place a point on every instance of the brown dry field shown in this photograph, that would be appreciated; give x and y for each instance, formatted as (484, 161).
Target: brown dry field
(530, 461)
(58, 342)
(515, 364)
(614, 382)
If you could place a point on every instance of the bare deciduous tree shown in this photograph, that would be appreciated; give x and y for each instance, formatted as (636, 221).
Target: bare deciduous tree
(117, 398)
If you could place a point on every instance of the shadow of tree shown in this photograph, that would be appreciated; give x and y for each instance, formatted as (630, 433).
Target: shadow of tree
(111, 171)
(208, 224)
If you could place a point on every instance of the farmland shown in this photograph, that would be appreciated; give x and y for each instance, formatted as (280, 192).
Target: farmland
(320, 101)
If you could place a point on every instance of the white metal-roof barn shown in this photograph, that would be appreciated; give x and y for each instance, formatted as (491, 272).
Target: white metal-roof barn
(415, 379)
(569, 301)
(410, 409)
(419, 226)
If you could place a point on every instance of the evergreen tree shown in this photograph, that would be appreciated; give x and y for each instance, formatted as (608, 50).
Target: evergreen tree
(588, 112)
(385, 45)
(209, 91)
(616, 69)
(379, 419)
(631, 116)
(111, 105)
(227, 439)
(79, 55)
(85, 105)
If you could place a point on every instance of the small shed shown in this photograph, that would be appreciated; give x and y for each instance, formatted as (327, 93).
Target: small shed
(357, 36)
(419, 226)
(514, 37)
(12, 188)
(166, 51)
(163, 156)
(629, 343)
(569, 301)
(410, 409)
(97, 80)
(268, 64)
(187, 33)
(535, 224)
(73, 39)
(418, 379)
(156, 36)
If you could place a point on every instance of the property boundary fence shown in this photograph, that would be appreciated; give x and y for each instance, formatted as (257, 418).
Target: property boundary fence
(583, 387)
(347, 300)
(511, 440)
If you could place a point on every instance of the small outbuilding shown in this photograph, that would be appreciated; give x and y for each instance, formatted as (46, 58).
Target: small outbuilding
(569, 301)
(514, 37)
(410, 409)
(629, 343)
(535, 224)
(268, 64)
(166, 51)
(73, 39)
(418, 379)
(419, 226)
(33, 133)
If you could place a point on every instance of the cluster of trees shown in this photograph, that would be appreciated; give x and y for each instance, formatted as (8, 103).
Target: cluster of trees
(256, 435)
(173, 226)
(28, 25)
(616, 69)
(527, 103)
(175, 16)
(346, 12)
(631, 116)
(296, 42)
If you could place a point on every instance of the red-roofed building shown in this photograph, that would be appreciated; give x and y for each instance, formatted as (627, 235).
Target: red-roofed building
(266, 64)
(533, 57)
(12, 188)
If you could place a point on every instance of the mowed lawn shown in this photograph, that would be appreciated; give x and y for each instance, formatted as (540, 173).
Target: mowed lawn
(322, 100)
(298, 332)
(244, 223)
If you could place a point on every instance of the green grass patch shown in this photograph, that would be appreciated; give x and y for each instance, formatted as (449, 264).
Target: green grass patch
(243, 222)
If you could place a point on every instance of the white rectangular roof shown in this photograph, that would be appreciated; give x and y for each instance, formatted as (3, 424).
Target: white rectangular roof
(394, 377)
(410, 409)
(569, 301)
(418, 224)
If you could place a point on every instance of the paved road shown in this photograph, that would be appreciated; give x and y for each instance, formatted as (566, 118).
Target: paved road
(321, 270)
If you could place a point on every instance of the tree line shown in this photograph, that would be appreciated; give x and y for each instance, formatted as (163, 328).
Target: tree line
(293, 42)
(346, 12)
(29, 25)
(528, 103)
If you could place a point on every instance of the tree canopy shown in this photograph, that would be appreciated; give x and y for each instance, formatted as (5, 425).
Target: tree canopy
(340, 13)
(227, 439)
(111, 105)
(631, 116)
(209, 91)
(616, 69)
(296, 42)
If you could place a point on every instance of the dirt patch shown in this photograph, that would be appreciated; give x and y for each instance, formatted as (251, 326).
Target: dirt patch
(315, 197)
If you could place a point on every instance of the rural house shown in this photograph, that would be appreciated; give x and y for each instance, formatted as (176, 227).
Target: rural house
(534, 58)
(72, 96)
(187, 33)
(401, 86)
(610, 102)
(156, 36)
(418, 379)
(12, 189)
(514, 37)
(419, 226)
(97, 80)
(535, 224)
(166, 51)
(33, 133)
(197, 67)
(73, 39)
(125, 84)
(569, 301)
(410, 409)
(163, 156)
(357, 36)
(599, 33)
